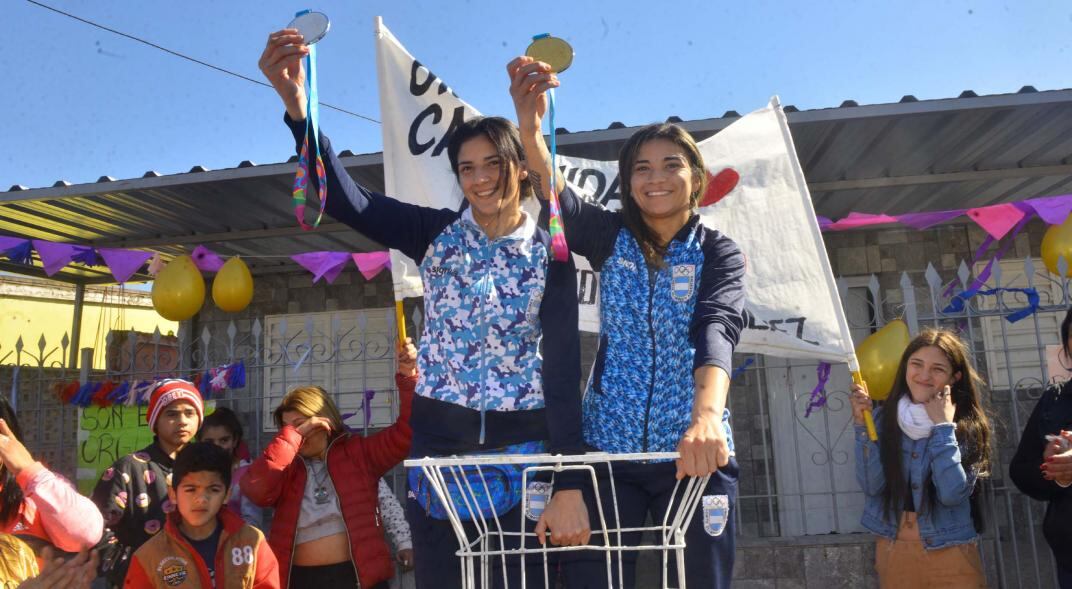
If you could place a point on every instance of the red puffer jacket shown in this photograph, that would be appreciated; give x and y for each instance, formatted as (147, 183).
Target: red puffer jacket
(355, 465)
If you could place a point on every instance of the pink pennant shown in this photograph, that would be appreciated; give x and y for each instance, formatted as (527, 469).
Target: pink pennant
(998, 219)
(1053, 209)
(206, 260)
(854, 220)
(123, 263)
(327, 265)
(54, 256)
(372, 263)
(155, 265)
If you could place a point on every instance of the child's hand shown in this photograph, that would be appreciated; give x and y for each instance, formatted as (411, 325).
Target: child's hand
(12, 453)
(405, 559)
(407, 358)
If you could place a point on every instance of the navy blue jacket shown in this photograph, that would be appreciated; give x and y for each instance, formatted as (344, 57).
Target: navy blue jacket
(484, 383)
(657, 326)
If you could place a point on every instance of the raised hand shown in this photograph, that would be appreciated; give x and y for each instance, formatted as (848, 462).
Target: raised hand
(281, 63)
(12, 453)
(529, 80)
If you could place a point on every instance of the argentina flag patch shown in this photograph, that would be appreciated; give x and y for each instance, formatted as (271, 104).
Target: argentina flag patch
(683, 282)
(539, 494)
(716, 513)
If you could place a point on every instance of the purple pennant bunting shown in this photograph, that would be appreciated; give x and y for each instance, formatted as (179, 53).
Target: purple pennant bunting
(327, 265)
(7, 243)
(124, 263)
(83, 254)
(21, 253)
(922, 221)
(1053, 209)
(206, 260)
(54, 256)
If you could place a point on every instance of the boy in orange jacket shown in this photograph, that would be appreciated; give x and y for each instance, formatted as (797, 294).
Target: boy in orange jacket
(204, 545)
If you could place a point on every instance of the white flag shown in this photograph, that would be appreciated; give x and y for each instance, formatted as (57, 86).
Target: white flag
(418, 111)
(793, 306)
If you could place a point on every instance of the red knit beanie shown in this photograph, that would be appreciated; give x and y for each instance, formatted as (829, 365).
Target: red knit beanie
(169, 391)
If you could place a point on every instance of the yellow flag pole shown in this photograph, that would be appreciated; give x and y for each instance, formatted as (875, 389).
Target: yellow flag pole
(400, 321)
(869, 421)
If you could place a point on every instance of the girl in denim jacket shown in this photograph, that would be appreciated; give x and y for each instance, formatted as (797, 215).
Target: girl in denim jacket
(919, 477)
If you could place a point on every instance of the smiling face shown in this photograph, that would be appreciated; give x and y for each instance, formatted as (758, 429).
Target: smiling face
(489, 182)
(928, 370)
(661, 182)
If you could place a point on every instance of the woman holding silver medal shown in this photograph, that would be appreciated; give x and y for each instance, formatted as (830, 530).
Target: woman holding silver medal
(499, 358)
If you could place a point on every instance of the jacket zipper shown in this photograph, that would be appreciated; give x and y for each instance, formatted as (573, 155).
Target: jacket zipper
(652, 275)
(485, 292)
(338, 503)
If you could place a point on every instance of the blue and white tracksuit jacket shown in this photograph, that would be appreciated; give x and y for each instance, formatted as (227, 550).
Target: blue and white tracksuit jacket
(657, 326)
(488, 303)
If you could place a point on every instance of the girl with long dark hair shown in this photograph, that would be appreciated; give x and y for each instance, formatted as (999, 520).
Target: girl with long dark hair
(920, 477)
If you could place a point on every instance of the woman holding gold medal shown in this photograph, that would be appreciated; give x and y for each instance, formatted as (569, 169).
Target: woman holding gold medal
(671, 312)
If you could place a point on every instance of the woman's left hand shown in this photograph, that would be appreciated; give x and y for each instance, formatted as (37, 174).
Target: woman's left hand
(12, 453)
(940, 407)
(703, 448)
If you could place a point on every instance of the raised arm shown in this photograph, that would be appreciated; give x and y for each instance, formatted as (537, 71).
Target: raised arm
(388, 447)
(590, 229)
(398, 225)
(263, 481)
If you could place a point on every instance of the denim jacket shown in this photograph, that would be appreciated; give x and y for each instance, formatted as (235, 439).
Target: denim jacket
(949, 522)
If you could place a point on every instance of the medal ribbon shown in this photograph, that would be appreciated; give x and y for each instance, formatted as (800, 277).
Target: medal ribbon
(312, 128)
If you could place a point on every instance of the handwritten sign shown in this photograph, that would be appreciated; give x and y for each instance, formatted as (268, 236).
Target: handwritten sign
(106, 434)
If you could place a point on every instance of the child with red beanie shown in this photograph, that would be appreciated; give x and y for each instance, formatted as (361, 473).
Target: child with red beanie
(132, 494)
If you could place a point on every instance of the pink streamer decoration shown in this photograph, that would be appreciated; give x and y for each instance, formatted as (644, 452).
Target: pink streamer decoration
(155, 265)
(860, 220)
(372, 263)
(997, 220)
(206, 260)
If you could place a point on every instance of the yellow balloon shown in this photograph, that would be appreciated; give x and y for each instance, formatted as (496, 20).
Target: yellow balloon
(1056, 243)
(879, 356)
(232, 289)
(179, 290)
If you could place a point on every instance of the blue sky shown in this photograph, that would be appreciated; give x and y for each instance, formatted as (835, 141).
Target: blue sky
(82, 102)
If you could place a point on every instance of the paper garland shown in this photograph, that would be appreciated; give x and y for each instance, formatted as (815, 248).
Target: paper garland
(124, 263)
